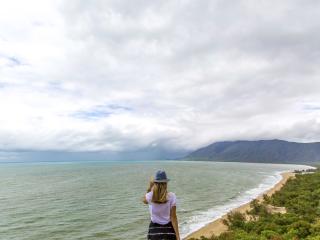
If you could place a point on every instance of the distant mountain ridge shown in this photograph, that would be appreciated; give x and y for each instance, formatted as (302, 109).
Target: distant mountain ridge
(261, 151)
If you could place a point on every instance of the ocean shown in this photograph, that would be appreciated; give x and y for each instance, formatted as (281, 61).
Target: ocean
(103, 200)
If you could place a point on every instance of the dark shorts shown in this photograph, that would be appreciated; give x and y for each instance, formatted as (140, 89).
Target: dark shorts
(161, 232)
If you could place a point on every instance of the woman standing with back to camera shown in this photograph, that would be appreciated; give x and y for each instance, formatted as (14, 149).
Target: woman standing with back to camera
(162, 207)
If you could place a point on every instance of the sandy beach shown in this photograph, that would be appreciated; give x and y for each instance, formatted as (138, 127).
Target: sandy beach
(217, 227)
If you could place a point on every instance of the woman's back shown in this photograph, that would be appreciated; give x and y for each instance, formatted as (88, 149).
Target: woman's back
(160, 212)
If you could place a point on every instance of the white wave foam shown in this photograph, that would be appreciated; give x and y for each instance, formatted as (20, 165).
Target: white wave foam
(201, 219)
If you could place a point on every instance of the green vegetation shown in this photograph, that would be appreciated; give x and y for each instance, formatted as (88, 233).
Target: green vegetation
(300, 197)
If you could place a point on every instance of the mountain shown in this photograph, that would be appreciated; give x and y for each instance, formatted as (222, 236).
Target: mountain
(262, 151)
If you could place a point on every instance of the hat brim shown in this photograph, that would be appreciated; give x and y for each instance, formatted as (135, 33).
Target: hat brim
(162, 181)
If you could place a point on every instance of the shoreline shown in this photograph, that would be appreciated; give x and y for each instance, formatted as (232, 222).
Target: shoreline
(217, 227)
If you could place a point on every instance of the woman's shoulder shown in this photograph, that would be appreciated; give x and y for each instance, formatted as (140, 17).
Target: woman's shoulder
(172, 198)
(172, 195)
(149, 194)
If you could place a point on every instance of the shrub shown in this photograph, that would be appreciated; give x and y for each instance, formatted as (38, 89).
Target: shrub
(235, 220)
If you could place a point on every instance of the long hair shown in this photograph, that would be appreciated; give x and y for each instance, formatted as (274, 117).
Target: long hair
(159, 192)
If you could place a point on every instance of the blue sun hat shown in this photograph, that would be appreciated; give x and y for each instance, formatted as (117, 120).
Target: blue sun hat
(160, 177)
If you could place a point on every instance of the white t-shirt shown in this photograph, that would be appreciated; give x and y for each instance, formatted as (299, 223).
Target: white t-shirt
(160, 213)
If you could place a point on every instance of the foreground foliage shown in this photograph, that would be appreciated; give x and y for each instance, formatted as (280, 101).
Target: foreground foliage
(300, 197)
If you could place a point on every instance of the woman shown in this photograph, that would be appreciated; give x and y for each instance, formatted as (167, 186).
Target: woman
(162, 207)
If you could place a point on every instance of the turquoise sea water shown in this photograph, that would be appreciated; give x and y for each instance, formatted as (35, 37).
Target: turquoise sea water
(102, 200)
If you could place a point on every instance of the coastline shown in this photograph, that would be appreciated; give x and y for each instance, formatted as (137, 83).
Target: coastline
(217, 227)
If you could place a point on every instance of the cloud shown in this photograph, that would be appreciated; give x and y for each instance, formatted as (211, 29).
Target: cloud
(127, 75)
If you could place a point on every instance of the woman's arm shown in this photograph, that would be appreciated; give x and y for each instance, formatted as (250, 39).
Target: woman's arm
(144, 200)
(151, 183)
(174, 220)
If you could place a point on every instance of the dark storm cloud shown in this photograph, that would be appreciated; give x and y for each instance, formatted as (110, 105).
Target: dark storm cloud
(180, 74)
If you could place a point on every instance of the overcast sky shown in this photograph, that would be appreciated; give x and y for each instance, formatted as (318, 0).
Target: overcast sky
(124, 75)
